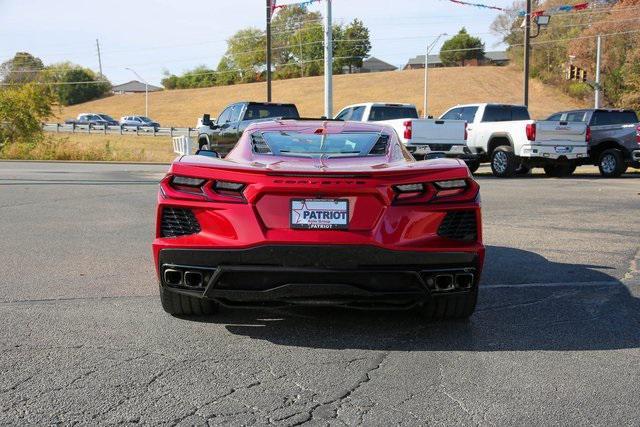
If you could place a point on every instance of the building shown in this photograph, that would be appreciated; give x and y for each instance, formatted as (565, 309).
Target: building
(489, 58)
(133, 86)
(375, 65)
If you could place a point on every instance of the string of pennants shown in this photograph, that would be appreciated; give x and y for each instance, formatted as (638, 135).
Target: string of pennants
(304, 3)
(551, 11)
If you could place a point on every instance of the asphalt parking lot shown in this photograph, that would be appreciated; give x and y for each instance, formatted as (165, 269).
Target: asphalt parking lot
(555, 339)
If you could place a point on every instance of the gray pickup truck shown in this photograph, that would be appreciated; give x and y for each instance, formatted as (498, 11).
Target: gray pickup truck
(221, 134)
(613, 138)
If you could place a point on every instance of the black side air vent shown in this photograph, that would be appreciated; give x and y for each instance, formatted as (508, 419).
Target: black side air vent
(380, 147)
(459, 225)
(178, 222)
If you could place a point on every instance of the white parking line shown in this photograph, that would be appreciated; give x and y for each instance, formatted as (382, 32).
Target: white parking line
(561, 284)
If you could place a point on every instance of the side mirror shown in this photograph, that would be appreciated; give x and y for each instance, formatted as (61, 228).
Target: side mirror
(208, 153)
(206, 120)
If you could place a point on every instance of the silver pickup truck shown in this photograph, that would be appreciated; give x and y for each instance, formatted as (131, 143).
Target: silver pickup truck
(613, 138)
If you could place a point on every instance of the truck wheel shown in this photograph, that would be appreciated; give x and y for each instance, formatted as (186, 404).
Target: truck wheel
(183, 305)
(503, 162)
(448, 307)
(611, 163)
(473, 165)
(203, 144)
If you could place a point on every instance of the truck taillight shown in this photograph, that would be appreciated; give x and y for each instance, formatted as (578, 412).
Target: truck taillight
(407, 129)
(531, 131)
(466, 133)
(587, 135)
(638, 134)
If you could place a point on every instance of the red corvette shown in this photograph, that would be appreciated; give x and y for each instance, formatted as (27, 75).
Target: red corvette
(318, 212)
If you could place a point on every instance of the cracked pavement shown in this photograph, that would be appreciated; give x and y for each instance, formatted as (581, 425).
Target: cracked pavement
(555, 338)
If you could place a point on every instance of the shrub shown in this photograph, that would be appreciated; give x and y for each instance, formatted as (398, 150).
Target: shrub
(579, 90)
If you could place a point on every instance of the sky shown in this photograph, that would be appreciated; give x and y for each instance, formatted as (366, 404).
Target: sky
(150, 36)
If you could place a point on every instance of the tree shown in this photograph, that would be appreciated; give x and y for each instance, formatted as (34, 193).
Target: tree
(73, 84)
(284, 26)
(461, 48)
(23, 108)
(22, 68)
(246, 51)
(354, 45)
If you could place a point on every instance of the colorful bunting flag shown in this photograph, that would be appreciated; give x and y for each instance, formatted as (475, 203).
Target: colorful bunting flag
(551, 11)
(305, 3)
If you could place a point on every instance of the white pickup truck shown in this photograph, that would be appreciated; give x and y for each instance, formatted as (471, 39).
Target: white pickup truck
(505, 136)
(424, 138)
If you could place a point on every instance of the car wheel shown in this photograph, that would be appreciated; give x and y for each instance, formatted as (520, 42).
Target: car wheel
(449, 307)
(183, 305)
(473, 165)
(611, 163)
(503, 162)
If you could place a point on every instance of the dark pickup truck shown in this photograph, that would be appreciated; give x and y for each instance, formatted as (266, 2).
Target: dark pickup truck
(613, 138)
(221, 134)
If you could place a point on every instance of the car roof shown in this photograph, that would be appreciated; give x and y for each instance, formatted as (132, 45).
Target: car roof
(376, 104)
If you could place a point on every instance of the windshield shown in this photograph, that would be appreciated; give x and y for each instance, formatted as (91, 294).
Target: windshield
(145, 119)
(316, 145)
(265, 111)
(392, 113)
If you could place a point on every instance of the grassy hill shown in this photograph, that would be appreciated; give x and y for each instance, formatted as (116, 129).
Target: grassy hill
(447, 87)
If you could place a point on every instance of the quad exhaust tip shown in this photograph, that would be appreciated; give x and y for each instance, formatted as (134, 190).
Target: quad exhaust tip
(444, 282)
(464, 280)
(173, 277)
(193, 279)
(449, 282)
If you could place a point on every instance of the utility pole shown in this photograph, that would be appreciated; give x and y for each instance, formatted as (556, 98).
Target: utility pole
(426, 73)
(269, 10)
(328, 62)
(598, 50)
(527, 51)
(99, 57)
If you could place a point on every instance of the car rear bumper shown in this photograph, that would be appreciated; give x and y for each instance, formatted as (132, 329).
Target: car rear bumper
(570, 152)
(355, 276)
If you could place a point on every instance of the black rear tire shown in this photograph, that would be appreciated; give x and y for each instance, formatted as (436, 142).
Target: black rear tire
(611, 163)
(503, 162)
(184, 305)
(449, 307)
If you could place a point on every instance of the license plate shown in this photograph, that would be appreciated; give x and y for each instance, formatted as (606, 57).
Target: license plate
(322, 214)
(562, 150)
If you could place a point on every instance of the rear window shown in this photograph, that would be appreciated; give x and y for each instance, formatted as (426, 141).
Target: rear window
(505, 113)
(602, 118)
(354, 144)
(263, 111)
(390, 112)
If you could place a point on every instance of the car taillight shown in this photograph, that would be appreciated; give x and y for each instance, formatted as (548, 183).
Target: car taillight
(587, 135)
(191, 188)
(408, 131)
(453, 190)
(531, 131)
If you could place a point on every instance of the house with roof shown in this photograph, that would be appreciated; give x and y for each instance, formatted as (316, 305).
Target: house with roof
(375, 65)
(489, 58)
(134, 86)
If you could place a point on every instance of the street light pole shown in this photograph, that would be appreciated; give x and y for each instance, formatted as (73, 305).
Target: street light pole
(527, 52)
(328, 62)
(426, 73)
(597, 95)
(146, 91)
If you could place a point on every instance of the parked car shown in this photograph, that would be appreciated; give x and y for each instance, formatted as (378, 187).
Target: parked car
(614, 138)
(99, 119)
(138, 122)
(505, 136)
(424, 138)
(222, 133)
(318, 212)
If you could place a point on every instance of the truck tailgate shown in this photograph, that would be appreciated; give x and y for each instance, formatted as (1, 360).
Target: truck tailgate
(435, 131)
(560, 133)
